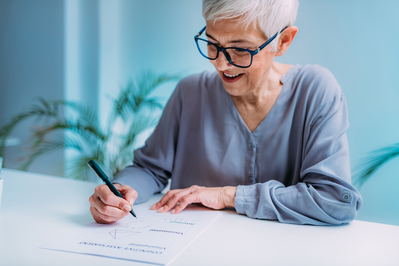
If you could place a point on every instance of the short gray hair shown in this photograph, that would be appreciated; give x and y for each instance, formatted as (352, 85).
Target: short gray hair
(271, 16)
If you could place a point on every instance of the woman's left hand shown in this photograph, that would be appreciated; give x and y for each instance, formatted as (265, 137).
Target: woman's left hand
(214, 197)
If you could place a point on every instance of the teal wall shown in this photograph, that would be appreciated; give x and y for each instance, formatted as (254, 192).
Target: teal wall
(357, 41)
(31, 65)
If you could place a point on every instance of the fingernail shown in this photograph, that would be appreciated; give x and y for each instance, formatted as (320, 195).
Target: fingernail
(160, 209)
(173, 211)
(127, 207)
(131, 201)
(153, 207)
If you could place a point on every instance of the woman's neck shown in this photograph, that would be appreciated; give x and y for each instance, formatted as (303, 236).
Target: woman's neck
(255, 106)
(266, 91)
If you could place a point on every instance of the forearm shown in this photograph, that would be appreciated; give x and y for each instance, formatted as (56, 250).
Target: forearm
(141, 180)
(329, 204)
(229, 196)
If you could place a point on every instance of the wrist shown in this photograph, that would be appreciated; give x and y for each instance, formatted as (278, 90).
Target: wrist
(229, 196)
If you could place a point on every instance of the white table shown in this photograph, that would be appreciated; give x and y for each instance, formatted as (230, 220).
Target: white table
(36, 208)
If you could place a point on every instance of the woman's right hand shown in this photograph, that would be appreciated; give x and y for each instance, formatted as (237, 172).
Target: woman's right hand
(106, 207)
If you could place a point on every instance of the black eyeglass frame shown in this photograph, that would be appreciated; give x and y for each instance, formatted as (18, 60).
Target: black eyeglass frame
(226, 54)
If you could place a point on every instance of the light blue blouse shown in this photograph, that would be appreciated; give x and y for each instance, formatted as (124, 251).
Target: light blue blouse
(293, 168)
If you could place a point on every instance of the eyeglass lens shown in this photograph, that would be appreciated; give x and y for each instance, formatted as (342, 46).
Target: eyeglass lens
(238, 56)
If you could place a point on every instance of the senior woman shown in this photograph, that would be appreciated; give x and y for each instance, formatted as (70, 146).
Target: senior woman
(265, 138)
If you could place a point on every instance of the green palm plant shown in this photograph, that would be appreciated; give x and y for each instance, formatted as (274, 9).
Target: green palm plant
(82, 132)
(372, 163)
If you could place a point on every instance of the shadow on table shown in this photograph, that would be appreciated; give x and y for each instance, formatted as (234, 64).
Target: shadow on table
(81, 219)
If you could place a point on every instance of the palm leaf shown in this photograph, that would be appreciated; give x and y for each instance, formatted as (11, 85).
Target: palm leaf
(127, 143)
(134, 96)
(372, 163)
(49, 146)
(91, 133)
(84, 113)
(39, 111)
(82, 132)
(77, 168)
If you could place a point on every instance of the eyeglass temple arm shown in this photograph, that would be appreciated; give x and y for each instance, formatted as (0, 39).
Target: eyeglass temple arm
(270, 40)
(200, 32)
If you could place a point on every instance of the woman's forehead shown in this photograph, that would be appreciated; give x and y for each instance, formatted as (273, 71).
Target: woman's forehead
(233, 31)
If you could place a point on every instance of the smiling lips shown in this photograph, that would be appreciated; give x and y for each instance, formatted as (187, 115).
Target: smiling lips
(231, 78)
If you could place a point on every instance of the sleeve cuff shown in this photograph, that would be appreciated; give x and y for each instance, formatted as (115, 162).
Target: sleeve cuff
(239, 200)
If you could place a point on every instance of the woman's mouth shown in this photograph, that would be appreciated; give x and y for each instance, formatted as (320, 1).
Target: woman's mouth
(229, 78)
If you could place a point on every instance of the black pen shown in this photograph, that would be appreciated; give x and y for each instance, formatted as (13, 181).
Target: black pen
(104, 178)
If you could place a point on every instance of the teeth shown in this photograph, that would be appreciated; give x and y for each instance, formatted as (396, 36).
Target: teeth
(231, 76)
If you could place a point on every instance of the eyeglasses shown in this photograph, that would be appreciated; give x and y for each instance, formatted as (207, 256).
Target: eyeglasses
(236, 56)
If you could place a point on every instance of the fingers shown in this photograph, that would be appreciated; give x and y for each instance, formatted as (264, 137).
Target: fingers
(106, 207)
(170, 200)
(164, 199)
(103, 218)
(103, 213)
(174, 197)
(128, 193)
(110, 199)
(178, 199)
(185, 201)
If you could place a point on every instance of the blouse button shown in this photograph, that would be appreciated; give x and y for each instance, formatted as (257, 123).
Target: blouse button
(252, 146)
(346, 197)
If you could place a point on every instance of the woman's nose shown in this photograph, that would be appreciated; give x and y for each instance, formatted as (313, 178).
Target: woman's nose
(221, 62)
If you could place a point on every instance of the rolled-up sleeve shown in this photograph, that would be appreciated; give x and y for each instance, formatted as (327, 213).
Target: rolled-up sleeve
(325, 195)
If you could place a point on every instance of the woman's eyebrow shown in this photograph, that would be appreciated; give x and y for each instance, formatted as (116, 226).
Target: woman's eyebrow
(232, 41)
(239, 41)
(209, 36)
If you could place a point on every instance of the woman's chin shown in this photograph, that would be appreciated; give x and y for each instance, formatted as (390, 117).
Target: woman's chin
(234, 90)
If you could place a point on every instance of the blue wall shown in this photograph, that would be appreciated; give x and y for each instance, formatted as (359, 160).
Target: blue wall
(31, 65)
(357, 41)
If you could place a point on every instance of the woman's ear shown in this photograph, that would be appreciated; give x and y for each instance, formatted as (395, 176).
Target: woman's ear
(285, 40)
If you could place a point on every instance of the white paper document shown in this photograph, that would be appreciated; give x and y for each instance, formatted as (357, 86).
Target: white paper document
(153, 238)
